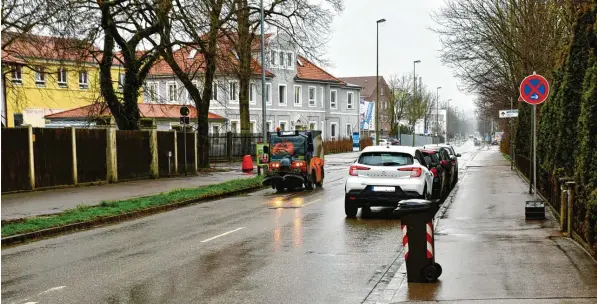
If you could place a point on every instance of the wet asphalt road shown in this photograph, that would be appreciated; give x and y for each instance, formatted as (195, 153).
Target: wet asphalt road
(259, 248)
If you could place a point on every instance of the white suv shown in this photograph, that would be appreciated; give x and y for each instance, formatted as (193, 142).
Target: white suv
(385, 175)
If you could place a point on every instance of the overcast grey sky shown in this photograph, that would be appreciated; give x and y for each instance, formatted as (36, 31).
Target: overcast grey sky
(403, 38)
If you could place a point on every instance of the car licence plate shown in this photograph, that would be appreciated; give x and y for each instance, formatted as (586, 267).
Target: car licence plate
(384, 189)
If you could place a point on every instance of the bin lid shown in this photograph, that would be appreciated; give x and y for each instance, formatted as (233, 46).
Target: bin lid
(414, 204)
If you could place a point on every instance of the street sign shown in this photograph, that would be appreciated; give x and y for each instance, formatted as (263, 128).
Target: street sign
(184, 111)
(184, 120)
(534, 89)
(508, 113)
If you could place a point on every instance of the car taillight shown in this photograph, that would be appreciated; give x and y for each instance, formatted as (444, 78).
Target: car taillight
(274, 165)
(454, 162)
(353, 168)
(434, 171)
(414, 171)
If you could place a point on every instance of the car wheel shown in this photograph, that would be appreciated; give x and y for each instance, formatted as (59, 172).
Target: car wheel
(309, 184)
(279, 188)
(425, 196)
(350, 208)
(365, 211)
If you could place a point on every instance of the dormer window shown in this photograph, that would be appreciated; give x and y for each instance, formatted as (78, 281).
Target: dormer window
(192, 53)
(273, 58)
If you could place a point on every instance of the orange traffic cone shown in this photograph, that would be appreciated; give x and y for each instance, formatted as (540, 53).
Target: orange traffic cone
(247, 163)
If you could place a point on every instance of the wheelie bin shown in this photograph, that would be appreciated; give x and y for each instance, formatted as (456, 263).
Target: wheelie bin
(418, 240)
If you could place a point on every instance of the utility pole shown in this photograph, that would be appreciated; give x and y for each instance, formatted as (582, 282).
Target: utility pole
(263, 102)
(377, 86)
(437, 111)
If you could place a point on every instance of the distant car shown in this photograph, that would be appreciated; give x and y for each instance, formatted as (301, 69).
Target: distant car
(384, 175)
(494, 143)
(453, 159)
(441, 174)
(390, 141)
(443, 154)
(383, 142)
(477, 142)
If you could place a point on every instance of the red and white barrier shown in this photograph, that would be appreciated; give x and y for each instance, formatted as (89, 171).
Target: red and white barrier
(405, 241)
(429, 240)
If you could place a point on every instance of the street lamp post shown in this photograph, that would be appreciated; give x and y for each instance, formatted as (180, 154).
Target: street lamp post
(414, 89)
(437, 111)
(377, 86)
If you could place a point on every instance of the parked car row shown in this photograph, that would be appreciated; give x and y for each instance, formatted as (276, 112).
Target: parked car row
(384, 175)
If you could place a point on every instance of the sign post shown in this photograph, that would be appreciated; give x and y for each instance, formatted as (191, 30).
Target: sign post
(184, 121)
(534, 90)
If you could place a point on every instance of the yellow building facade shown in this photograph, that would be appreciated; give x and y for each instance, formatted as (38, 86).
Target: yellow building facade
(42, 75)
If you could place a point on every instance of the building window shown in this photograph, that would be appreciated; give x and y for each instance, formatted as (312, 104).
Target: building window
(233, 91)
(152, 92)
(234, 126)
(312, 125)
(172, 92)
(283, 125)
(322, 129)
(18, 119)
(192, 53)
(290, 58)
(349, 130)
(252, 93)
(282, 57)
(17, 74)
(349, 102)
(381, 91)
(252, 126)
(312, 94)
(268, 125)
(333, 99)
(83, 80)
(268, 93)
(273, 58)
(40, 76)
(282, 94)
(298, 100)
(62, 77)
(214, 91)
(333, 130)
(120, 81)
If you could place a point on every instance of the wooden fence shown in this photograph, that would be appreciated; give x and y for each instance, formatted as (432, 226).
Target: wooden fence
(47, 157)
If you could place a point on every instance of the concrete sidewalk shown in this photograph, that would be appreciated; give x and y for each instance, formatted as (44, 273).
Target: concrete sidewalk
(27, 204)
(490, 253)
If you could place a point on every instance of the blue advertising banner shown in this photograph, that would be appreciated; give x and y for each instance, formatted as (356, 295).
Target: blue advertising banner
(356, 142)
(366, 113)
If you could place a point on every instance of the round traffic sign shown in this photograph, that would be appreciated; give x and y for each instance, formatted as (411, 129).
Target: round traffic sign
(534, 89)
(184, 111)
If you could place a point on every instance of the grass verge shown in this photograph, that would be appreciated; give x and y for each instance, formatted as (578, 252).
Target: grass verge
(506, 156)
(110, 208)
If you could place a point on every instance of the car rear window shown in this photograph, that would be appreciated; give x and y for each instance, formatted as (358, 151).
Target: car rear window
(385, 159)
(431, 158)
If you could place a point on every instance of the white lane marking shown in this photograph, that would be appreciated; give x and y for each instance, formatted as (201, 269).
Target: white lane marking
(31, 303)
(54, 289)
(315, 201)
(223, 234)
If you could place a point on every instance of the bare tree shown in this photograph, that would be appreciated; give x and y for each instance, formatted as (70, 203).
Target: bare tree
(398, 101)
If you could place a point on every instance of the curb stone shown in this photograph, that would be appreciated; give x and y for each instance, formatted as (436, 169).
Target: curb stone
(102, 221)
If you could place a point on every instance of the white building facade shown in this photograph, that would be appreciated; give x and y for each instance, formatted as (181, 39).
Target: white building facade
(298, 95)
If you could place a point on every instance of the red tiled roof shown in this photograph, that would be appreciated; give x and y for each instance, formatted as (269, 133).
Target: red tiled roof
(307, 70)
(146, 110)
(22, 46)
(196, 64)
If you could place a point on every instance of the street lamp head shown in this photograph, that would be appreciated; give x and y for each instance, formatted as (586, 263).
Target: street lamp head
(417, 61)
(439, 88)
(381, 20)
